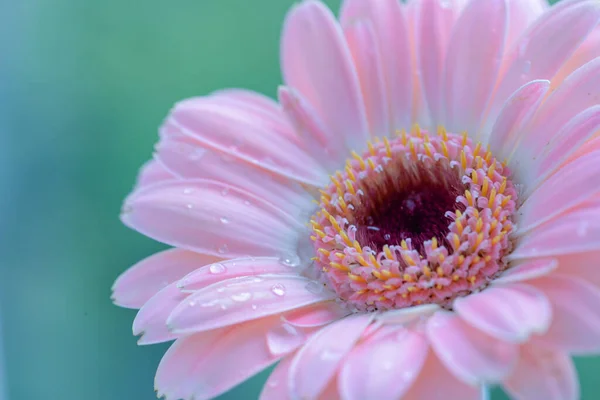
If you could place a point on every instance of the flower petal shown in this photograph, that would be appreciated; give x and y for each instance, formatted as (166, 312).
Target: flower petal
(479, 34)
(383, 368)
(241, 299)
(527, 270)
(468, 353)
(204, 365)
(327, 79)
(139, 283)
(316, 363)
(436, 382)
(514, 116)
(276, 387)
(543, 374)
(575, 326)
(510, 312)
(153, 172)
(211, 218)
(225, 130)
(393, 38)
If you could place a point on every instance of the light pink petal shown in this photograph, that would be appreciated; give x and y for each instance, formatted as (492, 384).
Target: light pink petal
(238, 267)
(317, 362)
(522, 14)
(316, 61)
(225, 130)
(393, 36)
(577, 232)
(435, 20)
(296, 326)
(151, 320)
(152, 172)
(468, 353)
(572, 185)
(581, 265)
(435, 382)
(527, 270)
(245, 298)
(203, 366)
(514, 116)
(276, 387)
(572, 136)
(545, 47)
(575, 324)
(479, 34)
(139, 283)
(405, 315)
(585, 53)
(543, 374)
(511, 312)
(588, 147)
(211, 218)
(365, 51)
(383, 368)
(280, 191)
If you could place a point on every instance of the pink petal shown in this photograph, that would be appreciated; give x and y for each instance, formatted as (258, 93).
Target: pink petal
(582, 266)
(393, 37)
(572, 185)
(280, 191)
(316, 363)
(576, 232)
(317, 315)
(152, 172)
(575, 324)
(384, 368)
(479, 34)
(468, 353)
(435, 20)
(543, 374)
(510, 312)
(139, 283)
(211, 218)
(276, 387)
(514, 116)
(225, 130)
(203, 366)
(151, 320)
(545, 47)
(405, 315)
(242, 299)
(585, 53)
(367, 57)
(527, 270)
(316, 62)
(521, 15)
(436, 382)
(238, 267)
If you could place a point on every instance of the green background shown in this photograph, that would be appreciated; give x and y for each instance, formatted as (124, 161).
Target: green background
(83, 88)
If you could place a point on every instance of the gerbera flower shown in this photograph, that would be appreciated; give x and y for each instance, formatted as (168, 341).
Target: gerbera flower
(417, 217)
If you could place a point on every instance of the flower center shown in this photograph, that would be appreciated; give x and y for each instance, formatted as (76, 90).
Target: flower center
(414, 220)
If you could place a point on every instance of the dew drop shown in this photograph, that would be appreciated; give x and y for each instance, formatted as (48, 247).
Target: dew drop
(278, 289)
(290, 260)
(526, 67)
(314, 287)
(224, 220)
(217, 269)
(254, 306)
(387, 236)
(223, 249)
(192, 303)
(224, 192)
(241, 297)
(188, 191)
(328, 355)
(372, 228)
(189, 206)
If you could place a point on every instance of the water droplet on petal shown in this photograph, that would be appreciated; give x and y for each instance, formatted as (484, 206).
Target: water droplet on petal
(387, 236)
(278, 289)
(224, 192)
(189, 206)
(254, 306)
(223, 249)
(224, 220)
(290, 260)
(192, 303)
(328, 354)
(314, 287)
(188, 191)
(217, 269)
(241, 297)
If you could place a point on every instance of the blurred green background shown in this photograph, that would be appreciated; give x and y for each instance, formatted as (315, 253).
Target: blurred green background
(83, 88)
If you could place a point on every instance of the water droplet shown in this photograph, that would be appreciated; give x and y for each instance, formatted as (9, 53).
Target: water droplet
(217, 269)
(526, 67)
(314, 287)
(224, 192)
(372, 228)
(387, 236)
(290, 260)
(223, 249)
(241, 297)
(246, 202)
(223, 307)
(189, 206)
(273, 384)
(224, 220)
(254, 306)
(327, 355)
(278, 289)
(188, 191)
(192, 303)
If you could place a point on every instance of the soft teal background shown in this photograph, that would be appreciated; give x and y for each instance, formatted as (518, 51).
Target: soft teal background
(83, 87)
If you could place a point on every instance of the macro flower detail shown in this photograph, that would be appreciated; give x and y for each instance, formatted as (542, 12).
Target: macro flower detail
(416, 217)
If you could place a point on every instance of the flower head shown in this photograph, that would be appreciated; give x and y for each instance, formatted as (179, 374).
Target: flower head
(418, 215)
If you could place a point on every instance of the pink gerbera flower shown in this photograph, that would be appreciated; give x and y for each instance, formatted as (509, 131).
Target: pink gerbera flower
(418, 217)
